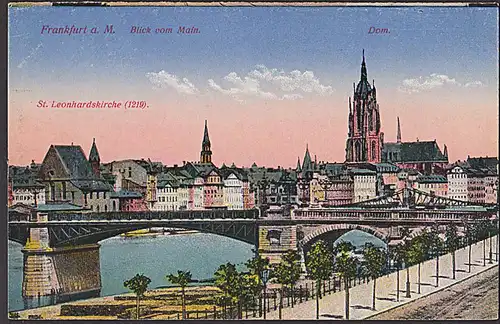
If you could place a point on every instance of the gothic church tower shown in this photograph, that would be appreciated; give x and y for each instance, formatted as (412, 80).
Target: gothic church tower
(206, 153)
(364, 140)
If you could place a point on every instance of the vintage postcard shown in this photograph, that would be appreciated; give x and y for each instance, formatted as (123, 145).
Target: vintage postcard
(252, 161)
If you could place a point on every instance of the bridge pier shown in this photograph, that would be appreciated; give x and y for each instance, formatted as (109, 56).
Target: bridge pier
(60, 272)
(274, 241)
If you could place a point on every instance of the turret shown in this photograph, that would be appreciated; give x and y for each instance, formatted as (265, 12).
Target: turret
(95, 159)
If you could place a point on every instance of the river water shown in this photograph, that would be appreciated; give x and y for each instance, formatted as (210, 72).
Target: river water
(122, 258)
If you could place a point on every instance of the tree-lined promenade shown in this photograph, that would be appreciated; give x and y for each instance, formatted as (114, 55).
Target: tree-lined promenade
(432, 258)
(423, 281)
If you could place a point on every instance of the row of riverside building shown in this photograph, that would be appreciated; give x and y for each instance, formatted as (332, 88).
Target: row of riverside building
(66, 177)
(372, 168)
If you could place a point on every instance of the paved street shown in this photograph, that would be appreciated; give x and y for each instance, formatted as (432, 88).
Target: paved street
(332, 306)
(472, 299)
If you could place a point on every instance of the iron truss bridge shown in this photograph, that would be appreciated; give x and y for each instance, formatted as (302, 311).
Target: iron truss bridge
(71, 228)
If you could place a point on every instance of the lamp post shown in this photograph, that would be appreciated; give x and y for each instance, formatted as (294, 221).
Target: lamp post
(265, 278)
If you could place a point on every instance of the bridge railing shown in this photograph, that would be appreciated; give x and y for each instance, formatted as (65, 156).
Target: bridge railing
(370, 214)
(329, 214)
(156, 215)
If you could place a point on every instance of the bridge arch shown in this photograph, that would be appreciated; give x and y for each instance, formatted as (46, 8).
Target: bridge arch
(312, 236)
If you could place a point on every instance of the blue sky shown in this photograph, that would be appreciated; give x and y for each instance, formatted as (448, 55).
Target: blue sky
(268, 79)
(326, 40)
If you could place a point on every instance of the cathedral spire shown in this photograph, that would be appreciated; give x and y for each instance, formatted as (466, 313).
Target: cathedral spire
(364, 74)
(399, 132)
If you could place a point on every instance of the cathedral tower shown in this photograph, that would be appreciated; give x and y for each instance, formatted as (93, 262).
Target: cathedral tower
(206, 153)
(364, 140)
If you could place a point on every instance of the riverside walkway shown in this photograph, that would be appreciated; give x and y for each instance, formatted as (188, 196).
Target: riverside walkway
(332, 306)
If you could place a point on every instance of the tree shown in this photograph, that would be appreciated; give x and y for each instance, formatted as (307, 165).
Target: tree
(346, 264)
(416, 255)
(397, 257)
(373, 264)
(228, 280)
(319, 266)
(469, 235)
(181, 279)
(256, 266)
(139, 285)
(436, 246)
(452, 243)
(405, 233)
(287, 272)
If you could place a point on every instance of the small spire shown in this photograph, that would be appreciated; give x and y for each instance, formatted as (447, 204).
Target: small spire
(445, 151)
(363, 55)
(399, 132)
(350, 109)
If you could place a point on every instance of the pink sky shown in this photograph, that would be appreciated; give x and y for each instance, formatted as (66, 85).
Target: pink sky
(270, 133)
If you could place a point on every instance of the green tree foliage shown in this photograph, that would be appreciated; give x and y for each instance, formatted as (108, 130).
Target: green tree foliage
(139, 285)
(319, 266)
(373, 264)
(416, 255)
(182, 279)
(346, 264)
(287, 273)
(230, 281)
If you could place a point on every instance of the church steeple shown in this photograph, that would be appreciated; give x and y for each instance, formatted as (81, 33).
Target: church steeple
(399, 132)
(364, 74)
(94, 158)
(206, 153)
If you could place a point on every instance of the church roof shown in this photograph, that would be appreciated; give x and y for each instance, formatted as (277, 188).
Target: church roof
(74, 160)
(421, 152)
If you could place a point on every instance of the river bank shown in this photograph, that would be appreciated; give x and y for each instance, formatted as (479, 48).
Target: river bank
(161, 303)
